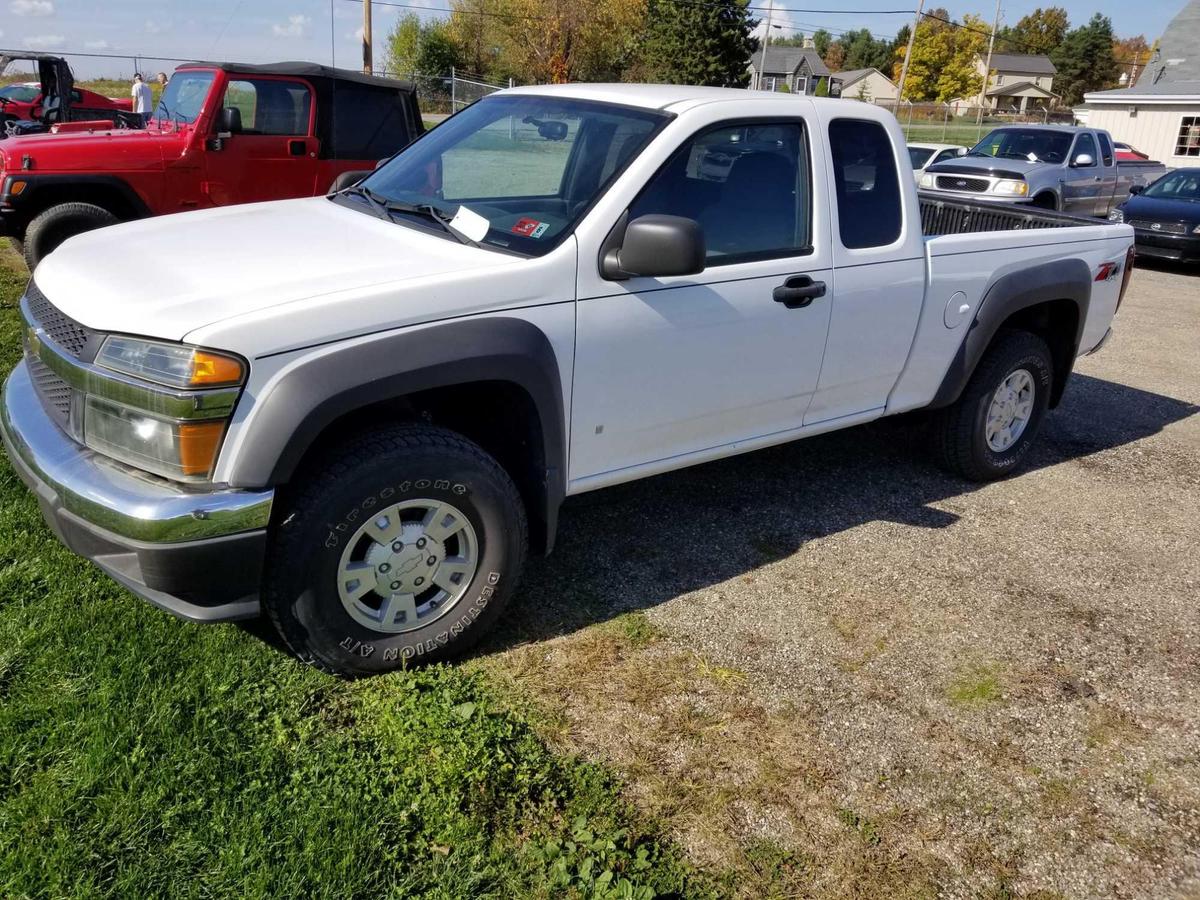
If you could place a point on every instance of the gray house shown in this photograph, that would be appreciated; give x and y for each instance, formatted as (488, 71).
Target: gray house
(796, 69)
(1160, 114)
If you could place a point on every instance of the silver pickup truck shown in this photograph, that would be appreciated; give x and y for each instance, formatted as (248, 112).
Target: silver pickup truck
(1073, 170)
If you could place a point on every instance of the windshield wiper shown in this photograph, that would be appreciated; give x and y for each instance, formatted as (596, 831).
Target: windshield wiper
(373, 200)
(429, 211)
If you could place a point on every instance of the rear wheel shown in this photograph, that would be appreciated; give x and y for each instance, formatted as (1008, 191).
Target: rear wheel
(404, 547)
(53, 226)
(988, 431)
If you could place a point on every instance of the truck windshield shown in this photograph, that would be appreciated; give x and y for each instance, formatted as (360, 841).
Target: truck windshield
(919, 156)
(184, 96)
(530, 165)
(1030, 144)
(1176, 186)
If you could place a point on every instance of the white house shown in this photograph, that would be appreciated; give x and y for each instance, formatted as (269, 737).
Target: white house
(1017, 81)
(867, 84)
(1160, 114)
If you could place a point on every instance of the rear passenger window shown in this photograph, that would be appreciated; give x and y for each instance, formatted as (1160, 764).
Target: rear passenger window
(748, 186)
(867, 182)
(1106, 150)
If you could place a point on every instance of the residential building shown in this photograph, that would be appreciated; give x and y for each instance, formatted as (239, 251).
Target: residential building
(870, 85)
(1160, 114)
(796, 69)
(1017, 82)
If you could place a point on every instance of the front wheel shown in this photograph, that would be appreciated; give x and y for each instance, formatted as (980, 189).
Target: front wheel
(54, 225)
(404, 547)
(987, 432)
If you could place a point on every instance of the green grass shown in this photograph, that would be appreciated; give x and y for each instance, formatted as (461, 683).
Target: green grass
(141, 756)
(976, 685)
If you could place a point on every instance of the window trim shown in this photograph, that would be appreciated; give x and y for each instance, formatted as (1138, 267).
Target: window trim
(1180, 148)
(835, 201)
(737, 259)
(231, 77)
(1109, 156)
(1075, 151)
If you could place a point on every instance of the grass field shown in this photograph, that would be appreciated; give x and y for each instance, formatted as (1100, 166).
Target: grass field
(141, 756)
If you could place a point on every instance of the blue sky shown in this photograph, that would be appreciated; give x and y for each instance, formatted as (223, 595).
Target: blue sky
(271, 30)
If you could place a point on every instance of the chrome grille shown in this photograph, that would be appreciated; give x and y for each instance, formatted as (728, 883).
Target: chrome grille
(959, 183)
(58, 327)
(53, 391)
(1159, 227)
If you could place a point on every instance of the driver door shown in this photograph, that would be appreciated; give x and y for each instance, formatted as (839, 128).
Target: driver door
(274, 155)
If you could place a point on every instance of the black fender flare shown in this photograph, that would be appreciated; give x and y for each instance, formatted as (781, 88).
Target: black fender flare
(26, 205)
(319, 391)
(1062, 280)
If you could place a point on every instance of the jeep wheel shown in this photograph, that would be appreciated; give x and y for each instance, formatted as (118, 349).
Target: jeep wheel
(403, 548)
(988, 431)
(53, 226)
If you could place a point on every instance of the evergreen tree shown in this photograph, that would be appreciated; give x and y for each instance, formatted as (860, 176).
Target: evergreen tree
(693, 43)
(821, 41)
(1084, 60)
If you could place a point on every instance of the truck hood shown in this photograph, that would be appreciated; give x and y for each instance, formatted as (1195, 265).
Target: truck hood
(169, 276)
(1001, 168)
(1162, 209)
(88, 151)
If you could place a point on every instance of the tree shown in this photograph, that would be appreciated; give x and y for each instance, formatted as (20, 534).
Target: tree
(835, 57)
(821, 41)
(1131, 55)
(1042, 31)
(402, 44)
(694, 43)
(943, 63)
(1084, 60)
(865, 51)
(422, 48)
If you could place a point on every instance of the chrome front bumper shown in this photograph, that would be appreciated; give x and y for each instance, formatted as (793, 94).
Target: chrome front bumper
(160, 539)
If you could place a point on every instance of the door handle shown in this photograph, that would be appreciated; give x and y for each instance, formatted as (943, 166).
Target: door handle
(297, 148)
(798, 291)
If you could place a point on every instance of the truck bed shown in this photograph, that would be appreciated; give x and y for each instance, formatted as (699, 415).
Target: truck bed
(940, 216)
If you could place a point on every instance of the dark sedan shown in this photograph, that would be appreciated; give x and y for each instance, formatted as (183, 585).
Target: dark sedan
(1165, 217)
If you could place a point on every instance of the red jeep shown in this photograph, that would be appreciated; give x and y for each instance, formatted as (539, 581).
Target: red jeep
(33, 107)
(221, 134)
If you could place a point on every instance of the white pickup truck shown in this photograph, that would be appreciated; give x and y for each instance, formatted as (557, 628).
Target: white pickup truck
(357, 413)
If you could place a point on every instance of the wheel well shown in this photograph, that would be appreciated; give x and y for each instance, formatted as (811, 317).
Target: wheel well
(1057, 323)
(1046, 200)
(105, 196)
(499, 416)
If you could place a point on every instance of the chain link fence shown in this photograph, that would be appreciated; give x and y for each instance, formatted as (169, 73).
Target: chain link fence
(965, 124)
(444, 95)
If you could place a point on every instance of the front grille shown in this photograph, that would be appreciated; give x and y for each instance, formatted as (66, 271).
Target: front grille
(1159, 227)
(959, 183)
(58, 327)
(53, 391)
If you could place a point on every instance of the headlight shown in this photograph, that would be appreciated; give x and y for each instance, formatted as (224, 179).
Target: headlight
(1116, 216)
(1196, 230)
(926, 180)
(174, 365)
(179, 450)
(1012, 188)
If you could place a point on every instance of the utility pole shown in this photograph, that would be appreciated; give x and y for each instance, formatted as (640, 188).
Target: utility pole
(368, 61)
(908, 54)
(766, 40)
(987, 66)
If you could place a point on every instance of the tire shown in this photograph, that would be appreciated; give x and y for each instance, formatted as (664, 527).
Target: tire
(961, 432)
(54, 225)
(323, 564)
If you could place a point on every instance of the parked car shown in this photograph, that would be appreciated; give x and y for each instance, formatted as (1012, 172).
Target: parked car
(36, 106)
(1165, 217)
(23, 101)
(1073, 170)
(1127, 153)
(222, 133)
(924, 155)
(356, 412)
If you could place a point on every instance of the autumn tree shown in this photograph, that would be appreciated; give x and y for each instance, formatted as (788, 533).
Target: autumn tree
(423, 48)
(1084, 60)
(1042, 31)
(698, 43)
(943, 65)
(835, 57)
(1131, 55)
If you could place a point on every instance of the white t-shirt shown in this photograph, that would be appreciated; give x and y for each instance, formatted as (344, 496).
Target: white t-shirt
(142, 98)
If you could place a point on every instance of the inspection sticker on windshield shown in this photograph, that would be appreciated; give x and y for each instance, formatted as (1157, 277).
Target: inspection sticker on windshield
(527, 227)
(472, 224)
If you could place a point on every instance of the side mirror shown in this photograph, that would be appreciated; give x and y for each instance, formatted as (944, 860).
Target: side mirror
(961, 151)
(653, 246)
(230, 120)
(1082, 160)
(1136, 188)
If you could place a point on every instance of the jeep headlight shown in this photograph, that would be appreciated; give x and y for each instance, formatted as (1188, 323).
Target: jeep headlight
(926, 180)
(175, 433)
(1116, 216)
(1012, 188)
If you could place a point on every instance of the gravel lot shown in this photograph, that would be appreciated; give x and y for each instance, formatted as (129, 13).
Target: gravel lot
(853, 675)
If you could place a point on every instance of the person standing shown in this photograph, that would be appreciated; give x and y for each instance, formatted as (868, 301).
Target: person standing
(143, 100)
